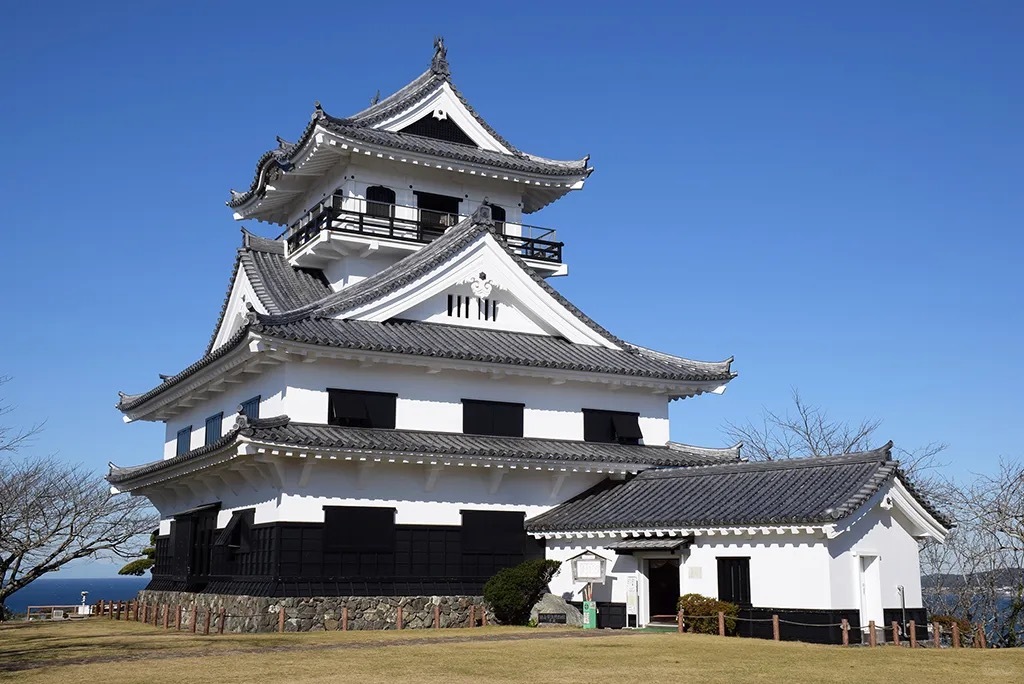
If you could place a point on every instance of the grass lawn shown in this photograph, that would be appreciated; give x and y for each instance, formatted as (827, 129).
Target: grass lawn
(111, 652)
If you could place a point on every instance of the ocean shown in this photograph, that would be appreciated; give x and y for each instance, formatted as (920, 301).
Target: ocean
(53, 591)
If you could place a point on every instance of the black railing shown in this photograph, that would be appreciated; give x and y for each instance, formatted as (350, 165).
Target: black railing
(408, 224)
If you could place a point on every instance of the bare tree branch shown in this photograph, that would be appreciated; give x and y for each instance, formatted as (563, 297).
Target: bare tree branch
(53, 512)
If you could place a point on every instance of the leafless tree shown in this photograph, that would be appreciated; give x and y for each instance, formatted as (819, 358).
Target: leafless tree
(12, 438)
(805, 429)
(53, 512)
(977, 573)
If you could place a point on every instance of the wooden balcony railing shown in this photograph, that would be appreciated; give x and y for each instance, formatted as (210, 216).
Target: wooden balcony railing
(410, 224)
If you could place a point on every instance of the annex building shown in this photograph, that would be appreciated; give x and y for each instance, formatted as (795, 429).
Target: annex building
(395, 403)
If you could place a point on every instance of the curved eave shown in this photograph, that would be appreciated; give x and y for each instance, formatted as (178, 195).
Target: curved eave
(161, 402)
(324, 142)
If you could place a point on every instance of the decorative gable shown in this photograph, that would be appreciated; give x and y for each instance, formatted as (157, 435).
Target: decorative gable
(482, 286)
(443, 116)
(233, 316)
(437, 125)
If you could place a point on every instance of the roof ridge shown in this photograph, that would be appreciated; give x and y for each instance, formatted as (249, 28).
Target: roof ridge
(881, 454)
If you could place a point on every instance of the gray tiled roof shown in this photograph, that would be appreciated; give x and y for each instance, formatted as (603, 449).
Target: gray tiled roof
(437, 340)
(360, 127)
(279, 286)
(418, 443)
(313, 322)
(797, 491)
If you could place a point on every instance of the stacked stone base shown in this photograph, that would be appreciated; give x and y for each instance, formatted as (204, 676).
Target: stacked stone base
(248, 614)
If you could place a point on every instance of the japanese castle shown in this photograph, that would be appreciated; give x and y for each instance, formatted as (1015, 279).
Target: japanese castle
(395, 403)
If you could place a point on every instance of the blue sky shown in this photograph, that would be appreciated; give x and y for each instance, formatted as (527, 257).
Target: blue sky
(830, 193)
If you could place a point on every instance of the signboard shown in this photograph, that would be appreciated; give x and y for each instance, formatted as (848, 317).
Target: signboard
(551, 618)
(589, 615)
(588, 567)
(632, 603)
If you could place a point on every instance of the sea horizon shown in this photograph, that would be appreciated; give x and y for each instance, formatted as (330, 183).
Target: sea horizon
(67, 591)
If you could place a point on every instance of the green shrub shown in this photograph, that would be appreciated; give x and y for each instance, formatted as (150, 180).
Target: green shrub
(705, 613)
(512, 592)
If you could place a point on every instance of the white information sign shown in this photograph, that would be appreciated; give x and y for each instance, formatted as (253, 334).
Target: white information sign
(632, 603)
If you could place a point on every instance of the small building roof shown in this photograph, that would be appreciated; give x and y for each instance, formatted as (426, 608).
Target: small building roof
(281, 431)
(363, 127)
(820, 490)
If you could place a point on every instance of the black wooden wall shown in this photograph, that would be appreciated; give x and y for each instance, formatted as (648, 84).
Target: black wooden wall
(356, 552)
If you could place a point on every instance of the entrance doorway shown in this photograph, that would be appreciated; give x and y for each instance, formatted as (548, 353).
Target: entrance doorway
(870, 590)
(662, 587)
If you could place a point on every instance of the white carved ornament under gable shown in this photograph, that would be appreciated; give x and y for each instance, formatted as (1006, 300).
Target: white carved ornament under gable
(485, 267)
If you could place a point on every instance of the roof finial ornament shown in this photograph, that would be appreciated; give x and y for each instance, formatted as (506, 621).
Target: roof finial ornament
(376, 98)
(318, 110)
(439, 65)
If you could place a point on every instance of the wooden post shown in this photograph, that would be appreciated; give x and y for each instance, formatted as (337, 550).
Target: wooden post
(472, 615)
(775, 627)
(980, 639)
(177, 618)
(679, 622)
(437, 616)
(398, 619)
(846, 632)
(913, 634)
(206, 622)
(145, 613)
(167, 615)
(872, 637)
(483, 616)
(194, 618)
(118, 618)
(220, 627)
(344, 618)
(956, 635)
(280, 618)
(721, 624)
(936, 634)
(895, 633)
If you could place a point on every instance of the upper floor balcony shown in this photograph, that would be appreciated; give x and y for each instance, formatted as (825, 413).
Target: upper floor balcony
(343, 226)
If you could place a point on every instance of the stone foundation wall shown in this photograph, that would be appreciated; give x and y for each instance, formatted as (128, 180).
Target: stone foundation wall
(318, 613)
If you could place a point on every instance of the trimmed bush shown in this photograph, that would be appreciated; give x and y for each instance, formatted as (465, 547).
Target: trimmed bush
(705, 613)
(512, 592)
(946, 623)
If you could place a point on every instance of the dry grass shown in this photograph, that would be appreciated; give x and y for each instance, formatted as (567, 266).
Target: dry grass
(128, 652)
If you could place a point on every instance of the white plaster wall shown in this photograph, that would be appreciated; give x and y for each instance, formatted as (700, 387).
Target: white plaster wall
(786, 570)
(269, 385)
(419, 497)
(882, 533)
(361, 172)
(433, 401)
(345, 271)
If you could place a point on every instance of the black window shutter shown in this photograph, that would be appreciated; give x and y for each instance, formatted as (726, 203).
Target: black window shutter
(492, 418)
(351, 408)
(734, 580)
(359, 528)
(184, 440)
(627, 428)
(214, 428)
(508, 420)
(251, 408)
(597, 426)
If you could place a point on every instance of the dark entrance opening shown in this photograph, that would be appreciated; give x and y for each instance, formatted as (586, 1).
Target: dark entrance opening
(663, 587)
(203, 529)
(437, 214)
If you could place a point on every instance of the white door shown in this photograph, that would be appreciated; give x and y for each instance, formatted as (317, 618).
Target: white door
(870, 591)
